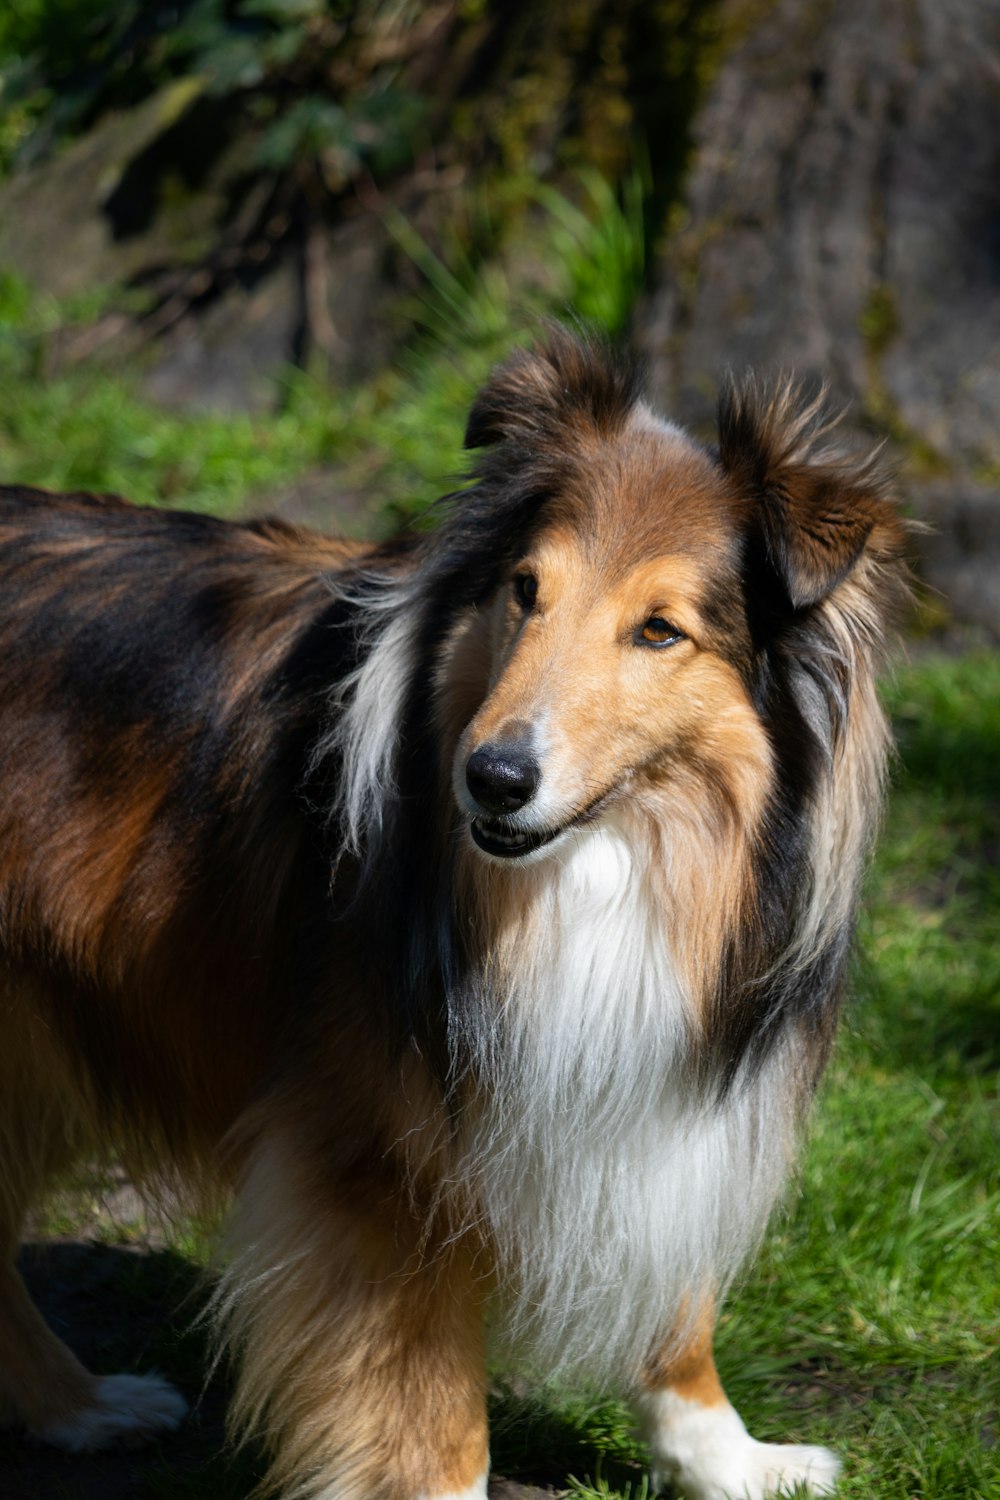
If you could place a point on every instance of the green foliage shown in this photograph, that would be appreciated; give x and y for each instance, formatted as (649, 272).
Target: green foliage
(63, 63)
(608, 276)
(398, 438)
(57, 34)
(58, 59)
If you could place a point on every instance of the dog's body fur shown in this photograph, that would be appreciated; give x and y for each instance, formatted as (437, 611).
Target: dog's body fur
(263, 931)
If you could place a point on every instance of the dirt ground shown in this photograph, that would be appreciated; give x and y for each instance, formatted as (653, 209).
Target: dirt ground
(115, 1306)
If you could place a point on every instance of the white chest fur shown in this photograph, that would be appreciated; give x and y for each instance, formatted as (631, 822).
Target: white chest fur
(614, 1190)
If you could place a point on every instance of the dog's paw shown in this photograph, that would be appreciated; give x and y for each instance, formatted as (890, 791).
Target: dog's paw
(758, 1471)
(706, 1453)
(127, 1409)
(762, 1470)
(786, 1465)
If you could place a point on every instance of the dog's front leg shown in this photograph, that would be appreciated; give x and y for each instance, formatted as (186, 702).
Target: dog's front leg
(699, 1443)
(361, 1345)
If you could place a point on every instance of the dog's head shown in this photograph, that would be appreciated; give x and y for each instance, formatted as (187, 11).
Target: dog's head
(642, 603)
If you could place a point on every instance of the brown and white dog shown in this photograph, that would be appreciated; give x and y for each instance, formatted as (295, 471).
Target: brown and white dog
(473, 910)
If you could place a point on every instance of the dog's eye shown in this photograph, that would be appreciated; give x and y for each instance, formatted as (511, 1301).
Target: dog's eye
(657, 631)
(526, 589)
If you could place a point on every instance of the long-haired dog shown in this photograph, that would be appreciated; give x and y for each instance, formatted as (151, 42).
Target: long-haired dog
(472, 909)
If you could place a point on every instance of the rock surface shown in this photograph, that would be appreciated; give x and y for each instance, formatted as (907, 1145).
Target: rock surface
(842, 217)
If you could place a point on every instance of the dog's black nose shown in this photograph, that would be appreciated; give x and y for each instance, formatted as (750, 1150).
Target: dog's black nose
(502, 778)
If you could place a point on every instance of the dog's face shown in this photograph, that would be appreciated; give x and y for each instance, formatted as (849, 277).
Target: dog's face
(655, 598)
(609, 654)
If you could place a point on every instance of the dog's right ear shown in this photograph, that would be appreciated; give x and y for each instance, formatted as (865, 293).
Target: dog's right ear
(519, 399)
(811, 509)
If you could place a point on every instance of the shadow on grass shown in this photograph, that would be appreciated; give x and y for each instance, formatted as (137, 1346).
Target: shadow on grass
(121, 1309)
(544, 1444)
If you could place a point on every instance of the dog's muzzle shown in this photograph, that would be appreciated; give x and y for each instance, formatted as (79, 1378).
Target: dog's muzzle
(502, 779)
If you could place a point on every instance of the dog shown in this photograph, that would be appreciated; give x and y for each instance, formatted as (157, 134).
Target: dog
(471, 911)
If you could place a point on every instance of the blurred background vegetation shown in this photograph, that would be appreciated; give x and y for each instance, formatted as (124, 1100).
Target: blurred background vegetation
(257, 255)
(333, 218)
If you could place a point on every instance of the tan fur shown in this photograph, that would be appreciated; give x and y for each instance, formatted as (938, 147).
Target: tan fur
(676, 718)
(360, 1330)
(371, 1352)
(690, 1370)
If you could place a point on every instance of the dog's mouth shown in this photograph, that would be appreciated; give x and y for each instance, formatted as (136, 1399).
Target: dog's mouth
(497, 838)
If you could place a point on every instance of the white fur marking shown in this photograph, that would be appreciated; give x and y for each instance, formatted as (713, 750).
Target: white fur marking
(614, 1191)
(130, 1409)
(707, 1453)
(367, 709)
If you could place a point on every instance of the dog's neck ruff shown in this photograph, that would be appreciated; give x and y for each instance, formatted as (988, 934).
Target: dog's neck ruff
(613, 1190)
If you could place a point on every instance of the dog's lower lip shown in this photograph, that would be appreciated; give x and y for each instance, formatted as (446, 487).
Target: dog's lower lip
(495, 839)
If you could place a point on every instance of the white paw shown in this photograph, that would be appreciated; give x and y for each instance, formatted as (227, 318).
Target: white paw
(129, 1409)
(706, 1453)
(765, 1469)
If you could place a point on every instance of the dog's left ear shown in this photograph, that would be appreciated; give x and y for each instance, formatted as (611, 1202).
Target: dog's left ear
(811, 510)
